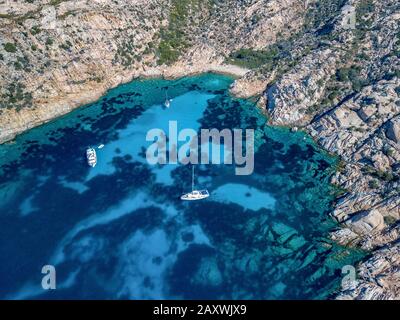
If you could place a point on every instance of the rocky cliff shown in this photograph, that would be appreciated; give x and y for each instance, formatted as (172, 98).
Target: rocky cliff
(346, 94)
(330, 67)
(56, 55)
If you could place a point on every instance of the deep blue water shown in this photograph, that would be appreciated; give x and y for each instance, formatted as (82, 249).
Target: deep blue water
(119, 230)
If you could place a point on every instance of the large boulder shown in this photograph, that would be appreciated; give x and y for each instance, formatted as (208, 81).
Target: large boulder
(347, 118)
(366, 112)
(365, 222)
(393, 130)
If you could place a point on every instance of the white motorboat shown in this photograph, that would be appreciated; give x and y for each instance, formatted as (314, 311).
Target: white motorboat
(91, 157)
(195, 194)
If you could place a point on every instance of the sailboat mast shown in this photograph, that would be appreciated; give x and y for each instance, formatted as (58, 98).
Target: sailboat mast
(192, 178)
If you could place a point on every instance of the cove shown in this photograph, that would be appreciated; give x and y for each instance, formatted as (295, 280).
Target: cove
(120, 231)
(212, 146)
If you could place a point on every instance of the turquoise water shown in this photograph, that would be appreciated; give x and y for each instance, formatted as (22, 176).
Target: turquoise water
(120, 231)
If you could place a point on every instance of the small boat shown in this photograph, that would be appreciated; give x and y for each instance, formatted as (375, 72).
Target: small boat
(100, 146)
(91, 157)
(195, 194)
(167, 102)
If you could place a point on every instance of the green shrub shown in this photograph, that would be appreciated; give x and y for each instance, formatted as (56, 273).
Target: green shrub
(352, 75)
(14, 96)
(17, 65)
(49, 41)
(35, 30)
(373, 184)
(342, 74)
(389, 220)
(321, 12)
(168, 53)
(252, 59)
(364, 7)
(66, 46)
(55, 2)
(174, 39)
(10, 47)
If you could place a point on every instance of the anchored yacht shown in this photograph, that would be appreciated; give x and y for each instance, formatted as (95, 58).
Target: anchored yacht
(91, 157)
(167, 102)
(195, 194)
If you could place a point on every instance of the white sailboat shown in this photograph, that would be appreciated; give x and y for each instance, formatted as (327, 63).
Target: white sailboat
(91, 157)
(195, 194)
(167, 102)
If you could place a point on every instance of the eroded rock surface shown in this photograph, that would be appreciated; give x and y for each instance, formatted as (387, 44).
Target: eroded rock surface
(384, 268)
(338, 82)
(359, 120)
(58, 55)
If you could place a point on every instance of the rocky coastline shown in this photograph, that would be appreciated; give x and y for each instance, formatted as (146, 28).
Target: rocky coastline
(341, 87)
(13, 123)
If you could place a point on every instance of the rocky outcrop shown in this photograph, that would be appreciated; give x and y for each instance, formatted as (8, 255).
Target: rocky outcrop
(351, 107)
(250, 85)
(393, 130)
(378, 277)
(365, 222)
(58, 55)
(372, 157)
(338, 81)
(289, 98)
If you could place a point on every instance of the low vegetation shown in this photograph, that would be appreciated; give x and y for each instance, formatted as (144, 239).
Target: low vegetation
(10, 47)
(387, 175)
(351, 75)
(126, 54)
(174, 39)
(321, 13)
(252, 59)
(35, 30)
(14, 96)
(389, 220)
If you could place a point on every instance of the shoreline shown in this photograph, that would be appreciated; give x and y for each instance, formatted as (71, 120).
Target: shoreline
(14, 123)
(153, 73)
(80, 110)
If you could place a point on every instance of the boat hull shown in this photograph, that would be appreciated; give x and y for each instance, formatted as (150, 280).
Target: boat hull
(195, 195)
(91, 157)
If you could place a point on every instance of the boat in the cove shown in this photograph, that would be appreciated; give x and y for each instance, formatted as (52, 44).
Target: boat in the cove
(167, 102)
(91, 157)
(195, 194)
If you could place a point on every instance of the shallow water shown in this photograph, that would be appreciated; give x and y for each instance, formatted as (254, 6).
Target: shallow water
(120, 231)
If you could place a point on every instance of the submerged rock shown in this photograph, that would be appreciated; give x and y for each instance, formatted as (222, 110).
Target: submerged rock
(208, 273)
